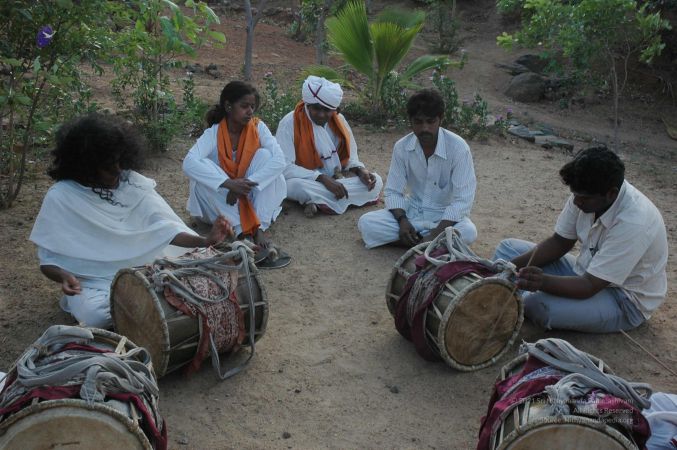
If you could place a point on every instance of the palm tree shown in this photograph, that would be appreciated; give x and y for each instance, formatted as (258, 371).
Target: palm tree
(377, 49)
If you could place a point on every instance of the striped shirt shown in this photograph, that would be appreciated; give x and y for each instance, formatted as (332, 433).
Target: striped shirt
(445, 183)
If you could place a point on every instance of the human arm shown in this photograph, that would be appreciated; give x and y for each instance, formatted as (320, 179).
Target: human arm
(333, 186)
(70, 285)
(274, 165)
(432, 234)
(220, 230)
(396, 182)
(201, 162)
(354, 163)
(407, 234)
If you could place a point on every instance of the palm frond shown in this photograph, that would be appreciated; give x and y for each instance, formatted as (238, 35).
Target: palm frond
(423, 63)
(405, 18)
(391, 44)
(348, 32)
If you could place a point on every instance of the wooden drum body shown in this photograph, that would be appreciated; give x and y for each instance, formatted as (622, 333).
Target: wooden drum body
(140, 311)
(529, 425)
(75, 423)
(472, 322)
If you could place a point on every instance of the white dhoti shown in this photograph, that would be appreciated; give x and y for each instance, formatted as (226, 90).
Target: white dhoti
(310, 191)
(380, 227)
(206, 203)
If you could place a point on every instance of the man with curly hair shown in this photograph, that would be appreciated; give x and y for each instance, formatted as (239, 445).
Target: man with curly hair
(101, 216)
(618, 279)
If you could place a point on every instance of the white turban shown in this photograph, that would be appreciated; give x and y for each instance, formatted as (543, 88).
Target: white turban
(322, 91)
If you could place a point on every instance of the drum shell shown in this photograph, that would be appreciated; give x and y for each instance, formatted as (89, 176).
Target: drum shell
(528, 425)
(171, 337)
(74, 423)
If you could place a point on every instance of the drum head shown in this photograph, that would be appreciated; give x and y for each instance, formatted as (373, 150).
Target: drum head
(138, 315)
(70, 424)
(567, 436)
(483, 323)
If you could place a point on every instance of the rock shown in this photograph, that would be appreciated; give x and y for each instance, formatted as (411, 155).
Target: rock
(549, 141)
(532, 62)
(194, 68)
(216, 74)
(526, 87)
(521, 131)
(183, 441)
(211, 67)
(394, 389)
(513, 68)
(286, 435)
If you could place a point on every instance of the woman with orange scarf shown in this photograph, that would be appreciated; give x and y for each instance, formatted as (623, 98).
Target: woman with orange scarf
(235, 167)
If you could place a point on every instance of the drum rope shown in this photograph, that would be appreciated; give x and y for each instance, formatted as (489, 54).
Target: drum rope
(584, 375)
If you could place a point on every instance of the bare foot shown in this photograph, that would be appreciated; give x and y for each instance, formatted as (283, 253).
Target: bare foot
(310, 210)
(262, 239)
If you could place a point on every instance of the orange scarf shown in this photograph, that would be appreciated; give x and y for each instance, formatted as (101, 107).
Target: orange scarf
(304, 139)
(247, 146)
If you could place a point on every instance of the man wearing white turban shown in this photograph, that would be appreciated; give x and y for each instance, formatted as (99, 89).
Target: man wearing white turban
(319, 146)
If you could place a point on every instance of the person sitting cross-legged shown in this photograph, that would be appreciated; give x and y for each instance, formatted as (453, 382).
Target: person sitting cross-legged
(323, 170)
(618, 279)
(102, 216)
(430, 185)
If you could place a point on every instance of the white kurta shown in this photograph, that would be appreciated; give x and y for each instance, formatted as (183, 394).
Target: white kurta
(207, 199)
(301, 184)
(92, 238)
(429, 191)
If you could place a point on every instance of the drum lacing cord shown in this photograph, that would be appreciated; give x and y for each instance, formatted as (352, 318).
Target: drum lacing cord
(459, 251)
(170, 278)
(98, 373)
(584, 375)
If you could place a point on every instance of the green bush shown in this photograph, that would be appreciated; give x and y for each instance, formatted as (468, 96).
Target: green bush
(467, 118)
(276, 103)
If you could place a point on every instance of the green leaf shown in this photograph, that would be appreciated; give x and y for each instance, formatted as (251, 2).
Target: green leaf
(349, 33)
(22, 99)
(217, 36)
(402, 17)
(66, 4)
(423, 63)
(12, 62)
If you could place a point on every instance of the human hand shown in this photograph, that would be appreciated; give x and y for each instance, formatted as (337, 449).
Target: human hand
(231, 198)
(530, 278)
(70, 285)
(336, 188)
(408, 234)
(221, 229)
(239, 186)
(367, 178)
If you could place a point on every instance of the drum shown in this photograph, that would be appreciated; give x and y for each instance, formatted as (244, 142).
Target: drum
(76, 423)
(529, 425)
(472, 322)
(140, 311)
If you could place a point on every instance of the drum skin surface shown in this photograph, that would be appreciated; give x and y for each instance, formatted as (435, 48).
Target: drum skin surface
(484, 319)
(70, 424)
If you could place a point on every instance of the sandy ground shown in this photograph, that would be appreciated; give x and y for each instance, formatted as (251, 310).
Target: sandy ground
(331, 370)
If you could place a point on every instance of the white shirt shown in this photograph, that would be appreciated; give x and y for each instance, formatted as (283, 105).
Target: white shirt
(201, 164)
(626, 246)
(445, 182)
(326, 145)
(92, 238)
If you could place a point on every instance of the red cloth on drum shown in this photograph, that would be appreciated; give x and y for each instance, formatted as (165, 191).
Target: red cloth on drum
(222, 320)
(530, 382)
(410, 312)
(73, 391)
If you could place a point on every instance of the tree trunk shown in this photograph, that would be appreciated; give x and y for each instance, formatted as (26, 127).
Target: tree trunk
(321, 33)
(251, 22)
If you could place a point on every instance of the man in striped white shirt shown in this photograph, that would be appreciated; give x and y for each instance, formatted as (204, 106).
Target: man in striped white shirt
(430, 185)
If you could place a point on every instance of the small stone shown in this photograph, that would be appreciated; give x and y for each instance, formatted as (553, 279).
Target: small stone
(183, 441)
(394, 389)
(297, 390)
(286, 435)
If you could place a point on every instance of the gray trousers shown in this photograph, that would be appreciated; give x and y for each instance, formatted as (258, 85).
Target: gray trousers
(608, 311)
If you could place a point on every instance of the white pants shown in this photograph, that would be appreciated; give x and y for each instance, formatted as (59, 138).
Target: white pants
(380, 227)
(267, 201)
(310, 191)
(91, 307)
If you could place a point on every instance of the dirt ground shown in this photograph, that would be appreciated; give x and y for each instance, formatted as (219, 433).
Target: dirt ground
(331, 370)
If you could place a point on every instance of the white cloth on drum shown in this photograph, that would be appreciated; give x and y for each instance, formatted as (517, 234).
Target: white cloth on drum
(301, 182)
(201, 165)
(662, 418)
(92, 238)
(321, 91)
(439, 188)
